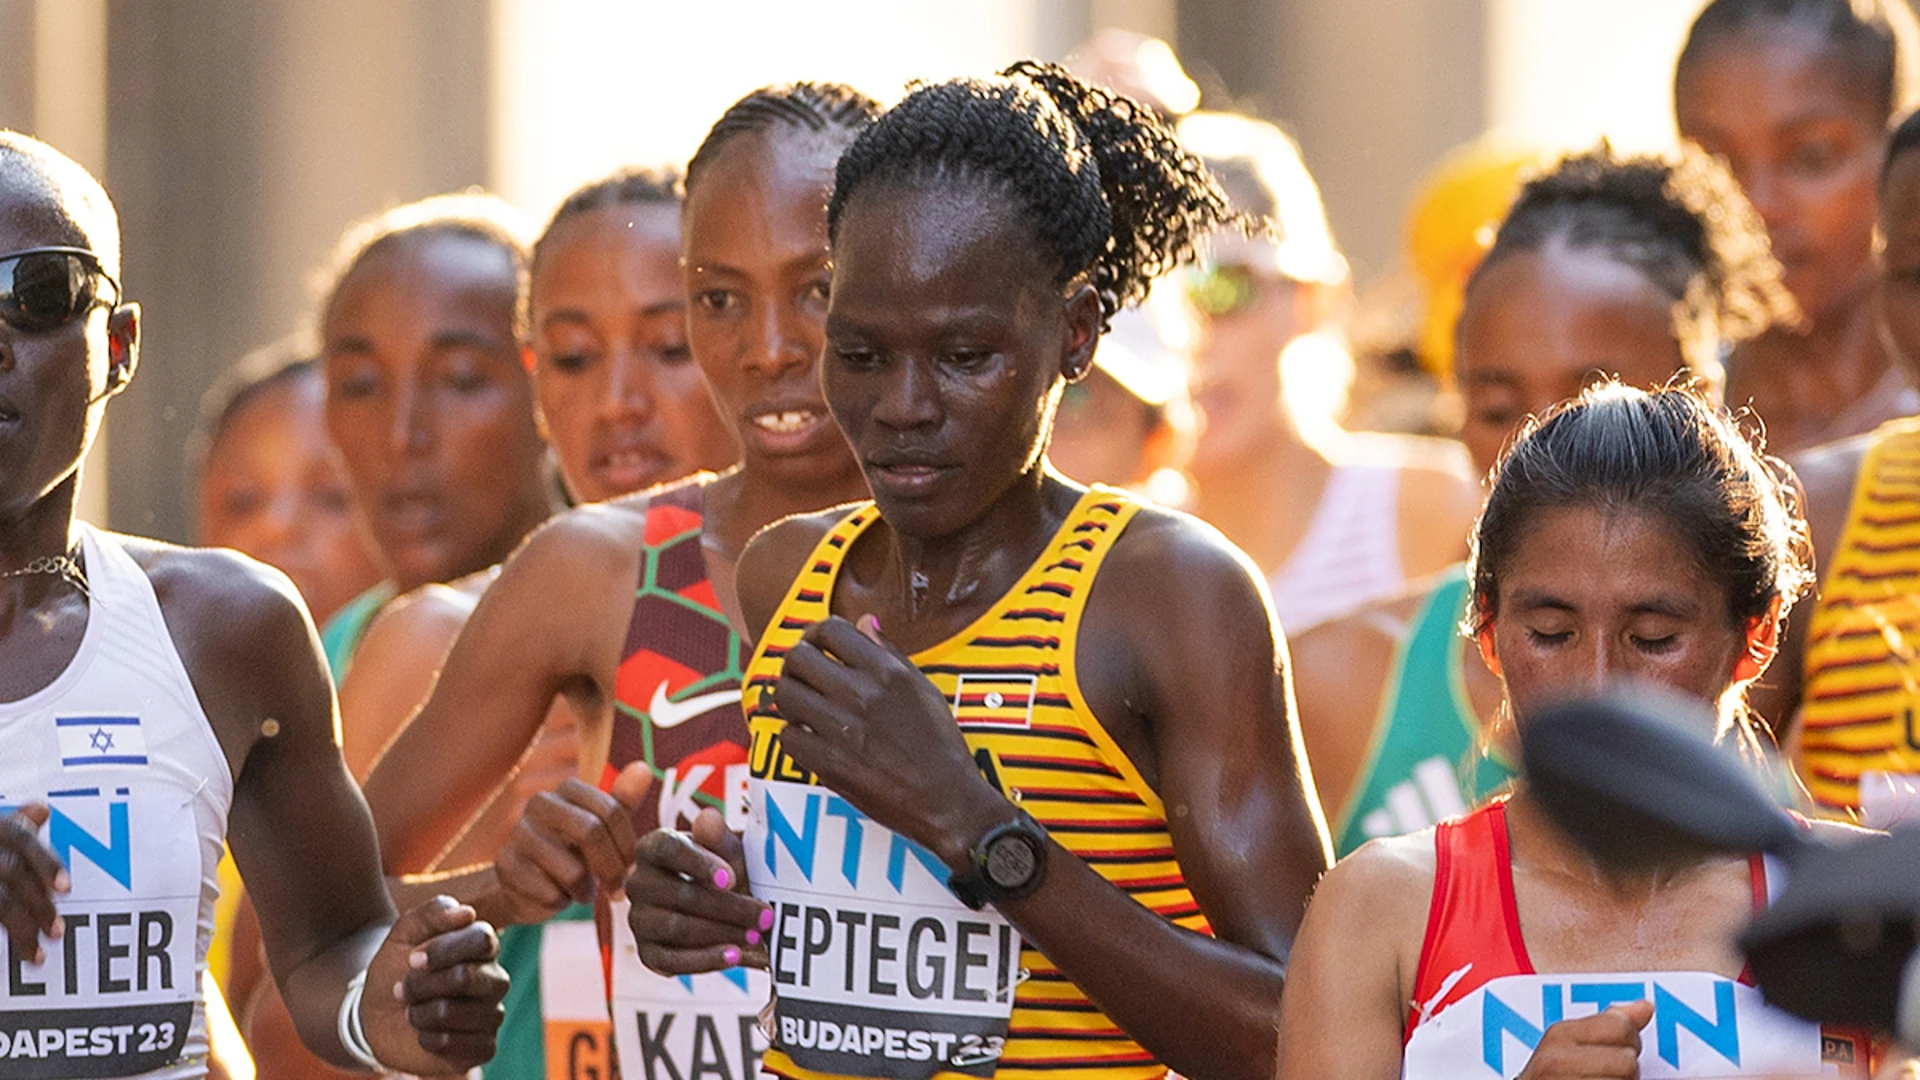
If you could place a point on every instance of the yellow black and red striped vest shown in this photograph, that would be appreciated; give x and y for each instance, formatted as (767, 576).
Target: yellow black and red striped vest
(1862, 684)
(1011, 678)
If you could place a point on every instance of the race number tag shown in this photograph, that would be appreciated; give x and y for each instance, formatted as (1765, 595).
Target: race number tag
(115, 995)
(1703, 1026)
(573, 1002)
(691, 1027)
(878, 971)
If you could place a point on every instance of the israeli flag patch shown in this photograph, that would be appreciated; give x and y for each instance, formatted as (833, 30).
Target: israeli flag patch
(101, 742)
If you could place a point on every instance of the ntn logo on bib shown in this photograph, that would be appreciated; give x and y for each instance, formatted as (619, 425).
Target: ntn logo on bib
(115, 994)
(878, 970)
(1703, 1025)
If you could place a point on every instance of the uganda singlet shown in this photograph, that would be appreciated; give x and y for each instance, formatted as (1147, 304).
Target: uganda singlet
(1424, 762)
(678, 709)
(878, 971)
(1479, 1008)
(120, 750)
(1860, 740)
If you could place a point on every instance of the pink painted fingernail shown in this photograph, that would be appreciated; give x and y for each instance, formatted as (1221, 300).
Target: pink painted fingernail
(732, 956)
(399, 991)
(766, 919)
(753, 937)
(62, 882)
(417, 960)
(722, 879)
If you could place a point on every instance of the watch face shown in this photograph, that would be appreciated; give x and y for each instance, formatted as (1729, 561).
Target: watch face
(1010, 862)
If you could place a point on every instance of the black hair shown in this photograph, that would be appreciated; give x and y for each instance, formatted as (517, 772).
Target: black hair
(1682, 222)
(629, 185)
(1104, 182)
(1669, 454)
(1905, 137)
(280, 363)
(810, 106)
(473, 214)
(638, 185)
(1876, 38)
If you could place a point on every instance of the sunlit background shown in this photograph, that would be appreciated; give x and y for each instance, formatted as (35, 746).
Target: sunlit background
(239, 136)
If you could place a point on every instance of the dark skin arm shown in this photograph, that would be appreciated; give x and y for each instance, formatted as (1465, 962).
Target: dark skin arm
(550, 625)
(1197, 695)
(301, 835)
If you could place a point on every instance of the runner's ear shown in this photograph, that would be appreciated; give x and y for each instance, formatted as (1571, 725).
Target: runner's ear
(1762, 642)
(1484, 638)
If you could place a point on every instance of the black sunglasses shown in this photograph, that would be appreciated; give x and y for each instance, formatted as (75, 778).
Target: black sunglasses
(45, 288)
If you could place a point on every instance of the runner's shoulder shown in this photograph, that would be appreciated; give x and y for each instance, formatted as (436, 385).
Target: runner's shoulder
(1386, 882)
(244, 636)
(1164, 549)
(775, 557)
(218, 593)
(582, 544)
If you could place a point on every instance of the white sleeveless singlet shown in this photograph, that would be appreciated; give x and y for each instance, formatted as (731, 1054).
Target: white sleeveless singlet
(1350, 553)
(119, 749)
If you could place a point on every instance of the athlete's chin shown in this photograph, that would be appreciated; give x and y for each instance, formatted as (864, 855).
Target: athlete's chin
(923, 519)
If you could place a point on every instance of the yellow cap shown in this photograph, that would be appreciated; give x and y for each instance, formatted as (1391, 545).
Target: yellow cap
(1455, 213)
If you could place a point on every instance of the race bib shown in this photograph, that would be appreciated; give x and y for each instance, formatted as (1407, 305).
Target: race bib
(115, 995)
(1703, 1026)
(573, 1003)
(690, 1027)
(878, 970)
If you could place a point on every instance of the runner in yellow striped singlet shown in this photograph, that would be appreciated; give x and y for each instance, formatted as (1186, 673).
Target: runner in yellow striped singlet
(1847, 675)
(1097, 871)
(1859, 739)
(1015, 692)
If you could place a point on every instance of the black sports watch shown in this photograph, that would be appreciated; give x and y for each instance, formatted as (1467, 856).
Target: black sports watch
(1007, 864)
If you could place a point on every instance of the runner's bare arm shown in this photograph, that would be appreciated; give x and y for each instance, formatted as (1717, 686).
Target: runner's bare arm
(1345, 1010)
(394, 668)
(300, 831)
(553, 616)
(1201, 677)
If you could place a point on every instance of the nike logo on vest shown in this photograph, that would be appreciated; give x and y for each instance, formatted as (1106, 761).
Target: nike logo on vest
(666, 713)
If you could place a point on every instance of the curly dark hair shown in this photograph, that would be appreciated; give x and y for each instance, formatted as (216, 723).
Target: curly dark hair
(810, 106)
(1103, 181)
(1874, 39)
(1682, 222)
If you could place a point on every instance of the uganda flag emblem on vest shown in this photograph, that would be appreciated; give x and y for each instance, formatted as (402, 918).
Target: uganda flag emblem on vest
(989, 700)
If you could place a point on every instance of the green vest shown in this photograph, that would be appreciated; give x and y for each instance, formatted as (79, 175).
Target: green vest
(1425, 762)
(342, 634)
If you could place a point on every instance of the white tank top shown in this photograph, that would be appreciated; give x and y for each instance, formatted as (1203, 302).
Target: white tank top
(1350, 553)
(120, 750)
